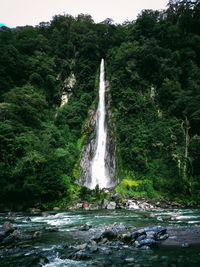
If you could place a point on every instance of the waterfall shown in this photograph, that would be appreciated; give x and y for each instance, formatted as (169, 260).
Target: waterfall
(99, 173)
(98, 155)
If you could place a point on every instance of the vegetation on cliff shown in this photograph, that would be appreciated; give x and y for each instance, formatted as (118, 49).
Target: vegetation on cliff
(153, 67)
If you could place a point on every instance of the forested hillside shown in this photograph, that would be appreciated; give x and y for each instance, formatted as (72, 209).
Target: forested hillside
(153, 69)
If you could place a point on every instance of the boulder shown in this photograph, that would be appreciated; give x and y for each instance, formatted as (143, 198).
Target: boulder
(105, 203)
(111, 205)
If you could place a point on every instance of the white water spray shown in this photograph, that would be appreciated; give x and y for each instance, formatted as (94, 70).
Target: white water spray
(99, 172)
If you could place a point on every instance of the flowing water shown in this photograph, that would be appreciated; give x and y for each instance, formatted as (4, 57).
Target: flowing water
(100, 174)
(56, 245)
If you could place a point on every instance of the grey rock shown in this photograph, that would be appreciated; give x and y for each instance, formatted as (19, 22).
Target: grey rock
(148, 242)
(105, 203)
(141, 237)
(111, 205)
(92, 246)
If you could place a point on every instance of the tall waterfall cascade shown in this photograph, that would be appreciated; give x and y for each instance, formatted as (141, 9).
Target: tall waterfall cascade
(98, 160)
(99, 173)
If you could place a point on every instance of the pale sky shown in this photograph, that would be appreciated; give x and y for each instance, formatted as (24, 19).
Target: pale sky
(31, 12)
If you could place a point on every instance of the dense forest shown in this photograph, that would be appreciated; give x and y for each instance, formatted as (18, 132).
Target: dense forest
(153, 70)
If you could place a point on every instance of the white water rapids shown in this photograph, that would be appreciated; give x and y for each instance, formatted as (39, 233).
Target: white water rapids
(99, 172)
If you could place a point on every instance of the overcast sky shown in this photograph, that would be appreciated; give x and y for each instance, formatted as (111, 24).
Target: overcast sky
(32, 12)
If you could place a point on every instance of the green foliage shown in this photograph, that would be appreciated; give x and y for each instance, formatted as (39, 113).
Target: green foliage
(152, 65)
(128, 187)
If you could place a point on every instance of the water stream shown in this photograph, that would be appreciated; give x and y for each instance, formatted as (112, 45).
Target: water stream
(56, 245)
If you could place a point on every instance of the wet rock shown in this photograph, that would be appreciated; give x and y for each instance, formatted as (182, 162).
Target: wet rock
(109, 234)
(8, 228)
(141, 237)
(126, 238)
(92, 246)
(111, 205)
(156, 229)
(150, 234)
(148, 242)
(85, 227)
(138, 233)
(162, 237)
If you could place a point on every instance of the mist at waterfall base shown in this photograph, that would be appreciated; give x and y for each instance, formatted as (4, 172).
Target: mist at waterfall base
(99, 172)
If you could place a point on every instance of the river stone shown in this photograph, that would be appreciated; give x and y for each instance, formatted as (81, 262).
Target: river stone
(109, 234)
(8, 228)
(126, 238)
(138, 233)
(148, 242)
(162, 237)
(141, 237)
(92, 246)
(111, 205)
(156, 229)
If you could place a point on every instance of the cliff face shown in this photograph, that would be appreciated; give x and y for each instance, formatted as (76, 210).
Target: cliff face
(90, 145)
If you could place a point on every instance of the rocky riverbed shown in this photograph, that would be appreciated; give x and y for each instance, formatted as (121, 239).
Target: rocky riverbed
(150, 237)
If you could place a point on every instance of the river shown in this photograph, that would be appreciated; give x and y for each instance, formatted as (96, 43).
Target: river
(183, 226)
